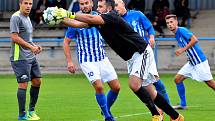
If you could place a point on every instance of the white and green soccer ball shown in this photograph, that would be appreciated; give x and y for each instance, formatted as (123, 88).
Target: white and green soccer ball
(49, 18)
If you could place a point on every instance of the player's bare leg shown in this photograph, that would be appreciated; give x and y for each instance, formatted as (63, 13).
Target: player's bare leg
(101, 98)
(151, 90)
(211, 84)
(114, 85)
(179, 78)
(181, 92)
(153, 94)
(150, 97)
(113, 92)
(161, 102)
(136, 86)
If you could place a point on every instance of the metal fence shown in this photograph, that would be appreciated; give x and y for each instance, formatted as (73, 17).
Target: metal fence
(170, 47)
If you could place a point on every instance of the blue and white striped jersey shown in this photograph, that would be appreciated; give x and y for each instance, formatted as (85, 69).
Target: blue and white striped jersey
(195, 53)
(140, 23)
(89, 43)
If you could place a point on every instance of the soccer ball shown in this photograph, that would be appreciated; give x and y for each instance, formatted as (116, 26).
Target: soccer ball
(49, 18)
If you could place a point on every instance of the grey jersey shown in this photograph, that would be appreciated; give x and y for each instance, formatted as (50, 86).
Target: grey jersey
(22, 25)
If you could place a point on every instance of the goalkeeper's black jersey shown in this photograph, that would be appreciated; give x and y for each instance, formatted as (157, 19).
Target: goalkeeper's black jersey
(120, 36)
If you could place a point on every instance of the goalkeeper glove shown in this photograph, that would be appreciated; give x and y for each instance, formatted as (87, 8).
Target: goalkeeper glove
(62, 13)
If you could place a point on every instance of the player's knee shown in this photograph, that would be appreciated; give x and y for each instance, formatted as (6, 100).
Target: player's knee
(134, 85)
(211, 84)
(98, 86)
(36, 82)
(23, 85)
(178, 79)
(116, 88)
(114, 85)
(99, 89)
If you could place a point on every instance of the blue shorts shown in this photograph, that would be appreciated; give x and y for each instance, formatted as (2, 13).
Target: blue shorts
(25, 70)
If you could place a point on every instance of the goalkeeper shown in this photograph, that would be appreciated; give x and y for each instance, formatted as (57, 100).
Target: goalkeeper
(130, 47)
(144, 28)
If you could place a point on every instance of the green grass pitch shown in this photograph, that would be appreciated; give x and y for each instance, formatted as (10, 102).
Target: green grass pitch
(69, 97)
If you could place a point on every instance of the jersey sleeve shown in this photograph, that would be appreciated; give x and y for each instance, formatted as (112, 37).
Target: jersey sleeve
(187, 34)
(146, 24)
(70, 33)
(14, 24)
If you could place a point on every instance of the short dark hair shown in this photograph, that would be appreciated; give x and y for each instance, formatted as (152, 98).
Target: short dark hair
(171, 16)
(109, 3)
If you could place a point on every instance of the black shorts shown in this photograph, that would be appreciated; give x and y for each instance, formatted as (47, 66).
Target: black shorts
(25, 70)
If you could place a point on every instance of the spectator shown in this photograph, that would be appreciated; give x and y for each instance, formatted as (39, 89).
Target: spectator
(41, 6)
(160, 8)
(137, 5)
(60, 3)
(159, 5)
(182, 11)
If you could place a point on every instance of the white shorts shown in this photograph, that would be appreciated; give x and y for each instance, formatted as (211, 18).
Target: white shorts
(200, 72)
(101, 70)
(143, 66)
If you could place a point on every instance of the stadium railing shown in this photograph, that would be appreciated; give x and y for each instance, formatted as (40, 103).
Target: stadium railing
(47, 43)
(59, 41)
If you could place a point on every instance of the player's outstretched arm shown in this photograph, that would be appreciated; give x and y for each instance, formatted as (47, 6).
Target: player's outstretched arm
(86, 18)
(74, 23)
(90, 19)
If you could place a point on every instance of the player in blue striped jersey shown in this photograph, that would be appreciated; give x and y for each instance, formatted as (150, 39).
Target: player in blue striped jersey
(93, 61)
(89, 44)
(197, 66)
(143, 26)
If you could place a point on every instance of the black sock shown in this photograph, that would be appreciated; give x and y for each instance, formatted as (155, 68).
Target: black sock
(34, 92)
(145, 97)
(21, 96)
(164, 105)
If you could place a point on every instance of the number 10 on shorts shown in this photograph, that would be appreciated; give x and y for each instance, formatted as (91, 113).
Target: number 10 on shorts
(90, 74)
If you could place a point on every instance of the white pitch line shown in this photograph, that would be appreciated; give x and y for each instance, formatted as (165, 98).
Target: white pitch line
(145, 113)
(127, 115)
(135, 114)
